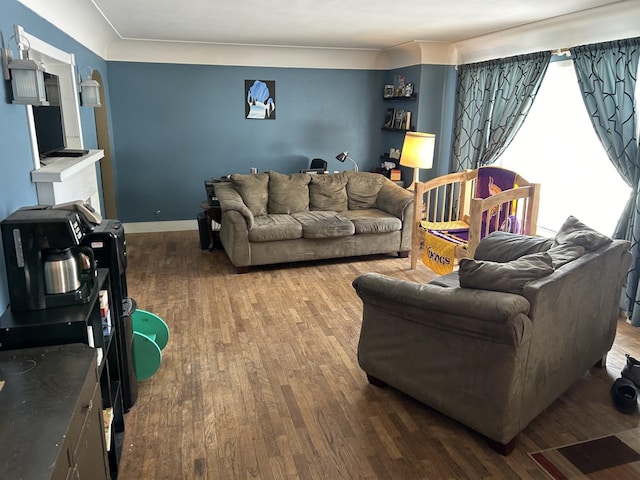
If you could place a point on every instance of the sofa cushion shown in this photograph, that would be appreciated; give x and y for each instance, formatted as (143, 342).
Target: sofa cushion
(508, 277)
(324, 224)
(373, 220)
(254, 190)
(288, 193)
(363, 188)
(504, 246)
(274, 227)
(576, 232)
(328, 192)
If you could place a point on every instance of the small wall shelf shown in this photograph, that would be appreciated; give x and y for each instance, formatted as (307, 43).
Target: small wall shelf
(402, 97)
(389, 129)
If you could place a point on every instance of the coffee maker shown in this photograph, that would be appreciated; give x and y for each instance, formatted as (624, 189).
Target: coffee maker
(46, 264)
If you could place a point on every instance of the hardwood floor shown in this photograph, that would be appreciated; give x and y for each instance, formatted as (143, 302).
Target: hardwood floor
(260, 380)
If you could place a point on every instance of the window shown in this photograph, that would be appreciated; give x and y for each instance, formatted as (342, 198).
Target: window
(558, 148)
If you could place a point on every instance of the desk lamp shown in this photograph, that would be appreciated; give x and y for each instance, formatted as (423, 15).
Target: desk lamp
(345, 156)
(417, 153)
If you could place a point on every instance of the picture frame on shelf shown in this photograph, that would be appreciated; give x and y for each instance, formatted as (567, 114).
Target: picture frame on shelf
(406, 120)
(408, 89)
(397, 120)
(388, 91)
(390, 116)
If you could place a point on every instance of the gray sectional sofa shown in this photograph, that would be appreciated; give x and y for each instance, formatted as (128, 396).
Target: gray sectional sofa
(270, 218)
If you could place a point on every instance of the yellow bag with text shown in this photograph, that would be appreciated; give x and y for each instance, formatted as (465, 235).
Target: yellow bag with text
(438, 254)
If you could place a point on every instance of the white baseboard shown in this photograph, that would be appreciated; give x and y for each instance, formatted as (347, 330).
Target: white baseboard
(173, 226)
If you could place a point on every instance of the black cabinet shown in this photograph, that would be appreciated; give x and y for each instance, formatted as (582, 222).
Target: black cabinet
(51, 423)
(81, 323)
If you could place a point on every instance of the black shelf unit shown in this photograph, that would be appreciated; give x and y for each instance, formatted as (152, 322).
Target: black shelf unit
(80, 323)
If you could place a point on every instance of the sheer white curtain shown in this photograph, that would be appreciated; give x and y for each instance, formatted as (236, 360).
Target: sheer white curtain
(558, 148)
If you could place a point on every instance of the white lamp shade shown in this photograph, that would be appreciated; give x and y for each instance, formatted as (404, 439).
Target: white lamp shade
(418, 149)
(27, 82)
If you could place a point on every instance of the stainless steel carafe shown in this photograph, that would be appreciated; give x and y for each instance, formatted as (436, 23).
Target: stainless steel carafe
(61, 273)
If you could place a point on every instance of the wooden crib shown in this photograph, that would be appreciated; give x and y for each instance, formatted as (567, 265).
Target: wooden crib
(453, 203)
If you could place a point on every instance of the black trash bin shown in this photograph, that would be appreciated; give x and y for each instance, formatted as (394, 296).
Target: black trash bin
(203, 230)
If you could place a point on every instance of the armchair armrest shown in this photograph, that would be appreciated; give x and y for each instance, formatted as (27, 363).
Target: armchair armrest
(495, 316)
(486, 305)
(230, 199)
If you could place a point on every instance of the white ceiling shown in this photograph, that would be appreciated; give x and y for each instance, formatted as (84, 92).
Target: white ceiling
(366, 24)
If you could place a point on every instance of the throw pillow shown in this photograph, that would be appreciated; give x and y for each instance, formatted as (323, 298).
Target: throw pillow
(254, 190)
(563, 254)
(363, 188)
(328, 192)
(505, 246)
(576, 232)
(288, 193)
(510, 277)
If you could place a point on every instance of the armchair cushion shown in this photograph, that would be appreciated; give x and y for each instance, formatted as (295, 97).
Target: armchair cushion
(254, 190)
(288, 193)
(563, 254)
(508, 277)
(576, 232)
(505, 246)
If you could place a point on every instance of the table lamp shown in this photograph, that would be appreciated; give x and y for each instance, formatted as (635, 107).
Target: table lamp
(417, 153)
(342, 156)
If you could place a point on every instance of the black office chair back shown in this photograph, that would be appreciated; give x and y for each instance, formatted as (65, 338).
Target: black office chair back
(318, 164)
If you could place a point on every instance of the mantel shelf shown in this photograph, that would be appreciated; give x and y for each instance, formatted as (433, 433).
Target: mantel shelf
(59, 169)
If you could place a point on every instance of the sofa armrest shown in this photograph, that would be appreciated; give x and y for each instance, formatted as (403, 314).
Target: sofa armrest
(230, 199)
(394, 199)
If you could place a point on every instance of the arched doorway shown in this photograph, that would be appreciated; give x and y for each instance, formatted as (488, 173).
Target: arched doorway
(107, 171)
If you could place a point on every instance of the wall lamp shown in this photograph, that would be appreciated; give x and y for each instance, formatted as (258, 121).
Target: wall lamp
(345, 156)
(417, 153)
(89, 89)
(26, 75)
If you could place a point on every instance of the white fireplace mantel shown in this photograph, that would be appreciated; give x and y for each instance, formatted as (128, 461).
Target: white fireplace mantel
(65, 179)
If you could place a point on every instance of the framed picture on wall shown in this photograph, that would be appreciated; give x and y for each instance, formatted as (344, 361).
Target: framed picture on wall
(260, 99)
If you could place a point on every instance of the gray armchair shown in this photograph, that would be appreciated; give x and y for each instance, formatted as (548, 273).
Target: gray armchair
(489, 359)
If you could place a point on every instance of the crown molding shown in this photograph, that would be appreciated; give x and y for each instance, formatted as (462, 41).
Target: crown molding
(82, 21)
(610, 22)
(245, 55)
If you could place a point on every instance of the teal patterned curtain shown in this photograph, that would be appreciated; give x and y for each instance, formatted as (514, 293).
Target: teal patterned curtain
(607, 77)
(492, 100)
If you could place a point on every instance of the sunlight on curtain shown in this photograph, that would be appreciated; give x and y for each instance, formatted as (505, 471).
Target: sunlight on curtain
(558, 148)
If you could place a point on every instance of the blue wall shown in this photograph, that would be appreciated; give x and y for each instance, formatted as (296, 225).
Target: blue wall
(176, 125)
(16, 162)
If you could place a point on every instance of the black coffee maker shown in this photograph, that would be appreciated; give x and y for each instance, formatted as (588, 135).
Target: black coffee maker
(46, 264)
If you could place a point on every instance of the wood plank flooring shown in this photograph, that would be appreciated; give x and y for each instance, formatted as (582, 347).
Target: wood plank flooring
(260, 380)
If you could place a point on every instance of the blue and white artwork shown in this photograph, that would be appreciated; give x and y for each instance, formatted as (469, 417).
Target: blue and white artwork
(261, 103)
